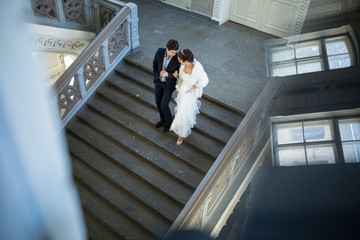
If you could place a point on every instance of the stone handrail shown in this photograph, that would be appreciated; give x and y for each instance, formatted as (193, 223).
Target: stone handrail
(227, 179)
(75, 86)
(87, 15)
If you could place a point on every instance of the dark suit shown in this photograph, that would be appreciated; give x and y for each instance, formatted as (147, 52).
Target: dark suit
(164, 90)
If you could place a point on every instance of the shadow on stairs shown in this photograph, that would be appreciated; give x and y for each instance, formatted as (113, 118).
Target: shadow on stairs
(132, 178)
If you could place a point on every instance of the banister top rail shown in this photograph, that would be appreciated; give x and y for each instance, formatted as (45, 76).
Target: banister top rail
(91, 49)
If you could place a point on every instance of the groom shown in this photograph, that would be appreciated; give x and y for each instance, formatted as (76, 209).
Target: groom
(165, 63)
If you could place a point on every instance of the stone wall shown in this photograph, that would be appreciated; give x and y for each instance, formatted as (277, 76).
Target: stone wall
(203, 7)
(328, 8)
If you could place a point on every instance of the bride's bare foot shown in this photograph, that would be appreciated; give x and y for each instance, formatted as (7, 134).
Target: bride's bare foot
(179, 141)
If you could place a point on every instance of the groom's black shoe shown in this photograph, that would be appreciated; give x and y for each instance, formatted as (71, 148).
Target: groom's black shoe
(159, 124)
(166, 128)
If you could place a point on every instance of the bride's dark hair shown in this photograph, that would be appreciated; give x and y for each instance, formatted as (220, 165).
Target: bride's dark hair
(186, 55)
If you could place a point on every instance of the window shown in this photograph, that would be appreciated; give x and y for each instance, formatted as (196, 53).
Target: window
(296, 58)
(339, 52)
(350, 139)
(316, 141)
(311, 53)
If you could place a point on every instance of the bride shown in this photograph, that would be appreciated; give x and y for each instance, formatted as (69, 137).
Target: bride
(192, 80)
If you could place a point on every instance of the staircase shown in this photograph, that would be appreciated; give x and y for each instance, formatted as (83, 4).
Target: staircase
(132, 178)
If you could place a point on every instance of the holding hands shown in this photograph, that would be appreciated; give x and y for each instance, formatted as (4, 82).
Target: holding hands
(164, 73)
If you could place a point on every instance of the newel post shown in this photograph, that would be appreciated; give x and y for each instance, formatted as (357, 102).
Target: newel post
(134, 34)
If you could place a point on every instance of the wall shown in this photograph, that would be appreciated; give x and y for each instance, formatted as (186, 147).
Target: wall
(308, 202)
(349, 14)
(303, 202)
(202, 7)
(329, 8)
(317, 202)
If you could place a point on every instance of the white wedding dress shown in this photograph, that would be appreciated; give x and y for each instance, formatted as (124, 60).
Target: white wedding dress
(187, 106)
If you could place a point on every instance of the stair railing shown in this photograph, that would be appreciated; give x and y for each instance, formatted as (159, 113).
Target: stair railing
(217, 194)
(117, 24)
(73, 14)
(86, 15)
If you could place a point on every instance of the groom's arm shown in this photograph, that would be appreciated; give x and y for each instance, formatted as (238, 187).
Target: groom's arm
(175, 65)
(156, 65)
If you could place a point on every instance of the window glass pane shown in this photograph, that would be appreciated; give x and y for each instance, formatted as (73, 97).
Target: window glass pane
(339, 61)
(284, 70)
(308, 49)
(294, 156)
(350, 129)
(336, 46)
(318, 131)
(284, 53)
(351, 152)
(320, 154)
(288, 133)
(310, 66)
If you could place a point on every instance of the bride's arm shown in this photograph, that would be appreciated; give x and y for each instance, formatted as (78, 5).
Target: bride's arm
(203, 79)
(193, 87)
(176, 74)
(199, 77)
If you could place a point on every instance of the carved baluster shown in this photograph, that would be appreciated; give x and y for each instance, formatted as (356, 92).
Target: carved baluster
(118, 41)
(69, 96)
(94, 68)
(74, 11)
(106, 15)
(44, 8)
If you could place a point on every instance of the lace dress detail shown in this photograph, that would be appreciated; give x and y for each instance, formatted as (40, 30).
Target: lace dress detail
(187, 106)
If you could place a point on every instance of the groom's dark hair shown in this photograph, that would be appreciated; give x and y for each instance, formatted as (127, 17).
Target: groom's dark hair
(172, 45)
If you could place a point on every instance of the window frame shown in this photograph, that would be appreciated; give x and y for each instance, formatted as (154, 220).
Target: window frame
(323, 57)
(333, 117)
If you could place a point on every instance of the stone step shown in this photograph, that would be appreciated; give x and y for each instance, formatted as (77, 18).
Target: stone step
(108, 215)
(141, 169)
(199, 159)
(206, 126)
(178, 168)
(149, 167)
(154, 198)
(138, 110)
(211, 107)
(135, 211)
(96, 228)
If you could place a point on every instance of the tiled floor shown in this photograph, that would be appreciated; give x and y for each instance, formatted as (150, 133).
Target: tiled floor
(232, 55)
